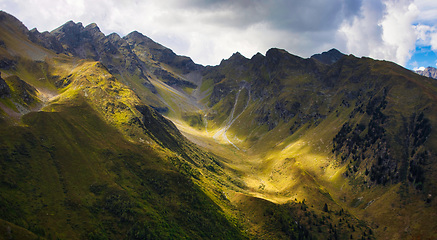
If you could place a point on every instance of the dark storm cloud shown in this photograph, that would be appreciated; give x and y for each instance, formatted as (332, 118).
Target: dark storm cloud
(295, 15)
(312, 15)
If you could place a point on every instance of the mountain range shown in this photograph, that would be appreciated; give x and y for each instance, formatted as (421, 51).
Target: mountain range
(110, 137)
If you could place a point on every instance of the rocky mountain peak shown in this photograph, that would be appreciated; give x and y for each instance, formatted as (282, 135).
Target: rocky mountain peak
(68, 26)
(276, 53)
(428, 72)
(275, 57)
(94, 30)
(257, 55)
(69, 33)
(158, 52)
(114, 37)
(92, 25)
(236, 59)
(258, 58)
(328, 57)
(136, 37)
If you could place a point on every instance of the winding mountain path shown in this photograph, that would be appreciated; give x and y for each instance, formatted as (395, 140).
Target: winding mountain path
(222, 132)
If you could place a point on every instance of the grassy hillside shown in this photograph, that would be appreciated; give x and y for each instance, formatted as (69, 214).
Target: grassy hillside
(92, 161)
(69, 174)
(358, 131)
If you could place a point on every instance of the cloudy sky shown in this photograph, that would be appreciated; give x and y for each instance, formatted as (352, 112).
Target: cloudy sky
(403, 31)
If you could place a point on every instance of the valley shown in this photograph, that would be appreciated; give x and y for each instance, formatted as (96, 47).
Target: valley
(109, 137)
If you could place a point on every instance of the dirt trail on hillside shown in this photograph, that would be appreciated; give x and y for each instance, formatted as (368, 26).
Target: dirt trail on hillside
(45, 97)
(223, 131)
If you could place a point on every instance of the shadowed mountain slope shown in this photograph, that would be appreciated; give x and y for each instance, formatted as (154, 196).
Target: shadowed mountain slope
(83, 157)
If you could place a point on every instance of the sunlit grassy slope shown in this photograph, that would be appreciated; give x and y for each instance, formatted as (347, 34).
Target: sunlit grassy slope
(94, 162)
(281, 144)
(272, 122)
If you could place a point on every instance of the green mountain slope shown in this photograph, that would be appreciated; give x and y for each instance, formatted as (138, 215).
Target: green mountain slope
(92, 161)
(360, 129)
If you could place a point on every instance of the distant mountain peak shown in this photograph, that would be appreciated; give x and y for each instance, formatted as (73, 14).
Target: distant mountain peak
(276, 51)
(69, 28)
(428, 72)
(71, 23)
(114, 37)
(94, 29)
(136, 37)
(258, 54)
(237, 55)
(328, 57)
(236, 58)
(135, 34)
(92, 25)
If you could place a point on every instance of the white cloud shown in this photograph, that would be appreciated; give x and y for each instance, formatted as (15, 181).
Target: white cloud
(428, 11)
(427, 34)
(423, 34)
(419, 68)
(363, 33)
(433, 41)
(398, 33)
(384, 30)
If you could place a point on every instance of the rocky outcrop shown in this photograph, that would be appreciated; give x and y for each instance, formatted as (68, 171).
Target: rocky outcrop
(132, 55)
(26, 92)
(146, 48)
(90, 43)
(46, 40)
(172, 80)
(4, 88)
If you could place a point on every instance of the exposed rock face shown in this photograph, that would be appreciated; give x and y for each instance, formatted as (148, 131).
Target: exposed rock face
(82, 42)
(90, 43)
(132, 55)
(7, 63)
(4, 88)
(46, 40)
(328, 57)
(428, 72)
(25, 91)
(147, 48)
